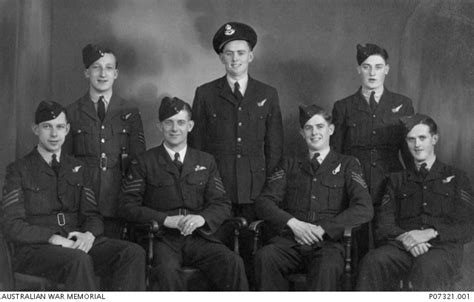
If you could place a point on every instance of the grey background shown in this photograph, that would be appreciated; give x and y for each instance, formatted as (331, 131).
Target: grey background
(306, 49)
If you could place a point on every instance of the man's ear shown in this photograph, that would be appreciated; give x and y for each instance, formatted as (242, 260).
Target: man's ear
(387, 69)
(331, 129)
(87, 73)
(159, 125)
(35, 129)
(190, 125)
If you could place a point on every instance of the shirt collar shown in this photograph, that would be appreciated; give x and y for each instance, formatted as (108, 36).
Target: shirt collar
(322, 154)
(429, 163)
(95, 96)
(182, 152)
(47, 156)
(242, 82)
(378, 93)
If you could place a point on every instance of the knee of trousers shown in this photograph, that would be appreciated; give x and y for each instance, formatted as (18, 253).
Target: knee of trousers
(80, 260)
(134, 253)
(265, 255)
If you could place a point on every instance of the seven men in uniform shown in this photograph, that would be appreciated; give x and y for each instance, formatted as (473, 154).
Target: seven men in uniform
(53, 203)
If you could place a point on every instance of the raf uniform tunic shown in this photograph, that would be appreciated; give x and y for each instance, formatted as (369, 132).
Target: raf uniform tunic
(155, 189)
(375, 138)
(442, 201)
(246, 139)
(334, 197)
(105, 148)
(38, 204)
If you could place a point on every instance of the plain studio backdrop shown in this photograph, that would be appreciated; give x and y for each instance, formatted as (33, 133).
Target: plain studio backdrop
(306, 49)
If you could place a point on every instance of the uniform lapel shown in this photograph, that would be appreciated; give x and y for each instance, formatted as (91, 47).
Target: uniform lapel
(436, 171)
(361, 103)
(115, 108)
(87, 106)
(328, 163)
(165, 161)
(39, 164)
(385, 102)
(226, 91)
(250, 92)
(190, 161)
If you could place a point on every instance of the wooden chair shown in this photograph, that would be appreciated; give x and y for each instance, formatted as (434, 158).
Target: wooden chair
(145, 233)
(350, 251)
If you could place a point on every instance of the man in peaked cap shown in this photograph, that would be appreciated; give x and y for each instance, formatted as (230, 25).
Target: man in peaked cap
(241, 127)
(106, 131)
(180, 188)
(309, 200)
(52, 218)
(423, 221)
(367, 124)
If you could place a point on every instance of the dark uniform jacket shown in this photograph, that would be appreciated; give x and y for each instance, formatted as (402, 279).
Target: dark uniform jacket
(246, 139)
(334, 197)
(154, 189)
(443, 201)
(374, 138)
(105, 148)
(37, 204)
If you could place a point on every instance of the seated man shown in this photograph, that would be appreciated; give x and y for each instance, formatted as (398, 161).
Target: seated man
(423, 220)
(51, 216)
(181, 189)
(309, 200)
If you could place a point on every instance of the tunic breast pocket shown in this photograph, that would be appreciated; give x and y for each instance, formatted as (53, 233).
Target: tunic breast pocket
(218, 126)
(333, 188)
(442, 201)
(392, 129)
(121, 133)
(409, 207)
(358, 132)
(258, 120)
(83, 139)
(196, 185)
(38, 198)
(71, 196)
(161, 193)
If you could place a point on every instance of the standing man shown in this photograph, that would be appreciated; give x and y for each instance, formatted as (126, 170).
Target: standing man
(309, 200)
(367, 126)
(238, 120)
(423, 221)
(180, 188)
(367, 122)
(52, 218)
(106, 131)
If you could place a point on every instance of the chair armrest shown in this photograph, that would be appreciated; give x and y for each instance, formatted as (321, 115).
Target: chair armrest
(256, 227)
(239, 223)
(348, 265)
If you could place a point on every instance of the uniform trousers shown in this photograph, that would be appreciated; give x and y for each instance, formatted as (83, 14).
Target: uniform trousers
(324, 265)
(123, 262)
(222, 267)
(383, 268)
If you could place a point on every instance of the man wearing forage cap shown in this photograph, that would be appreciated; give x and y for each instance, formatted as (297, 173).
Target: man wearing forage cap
(106, 131)
(52, 218)
(180, 188)
(423, 221)
(309, 200)
(366, 123)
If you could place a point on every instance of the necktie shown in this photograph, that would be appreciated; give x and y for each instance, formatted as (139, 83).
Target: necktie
(237, 94)
(372, 102)
(101, 108)
(423, 171)
(55, 164)
(177, 162)
(315, 163)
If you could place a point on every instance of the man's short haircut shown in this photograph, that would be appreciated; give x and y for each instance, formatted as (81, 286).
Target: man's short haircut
(419, 119)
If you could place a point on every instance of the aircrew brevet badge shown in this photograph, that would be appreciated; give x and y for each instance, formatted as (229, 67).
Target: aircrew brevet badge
(337, 170)
(229, 31)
